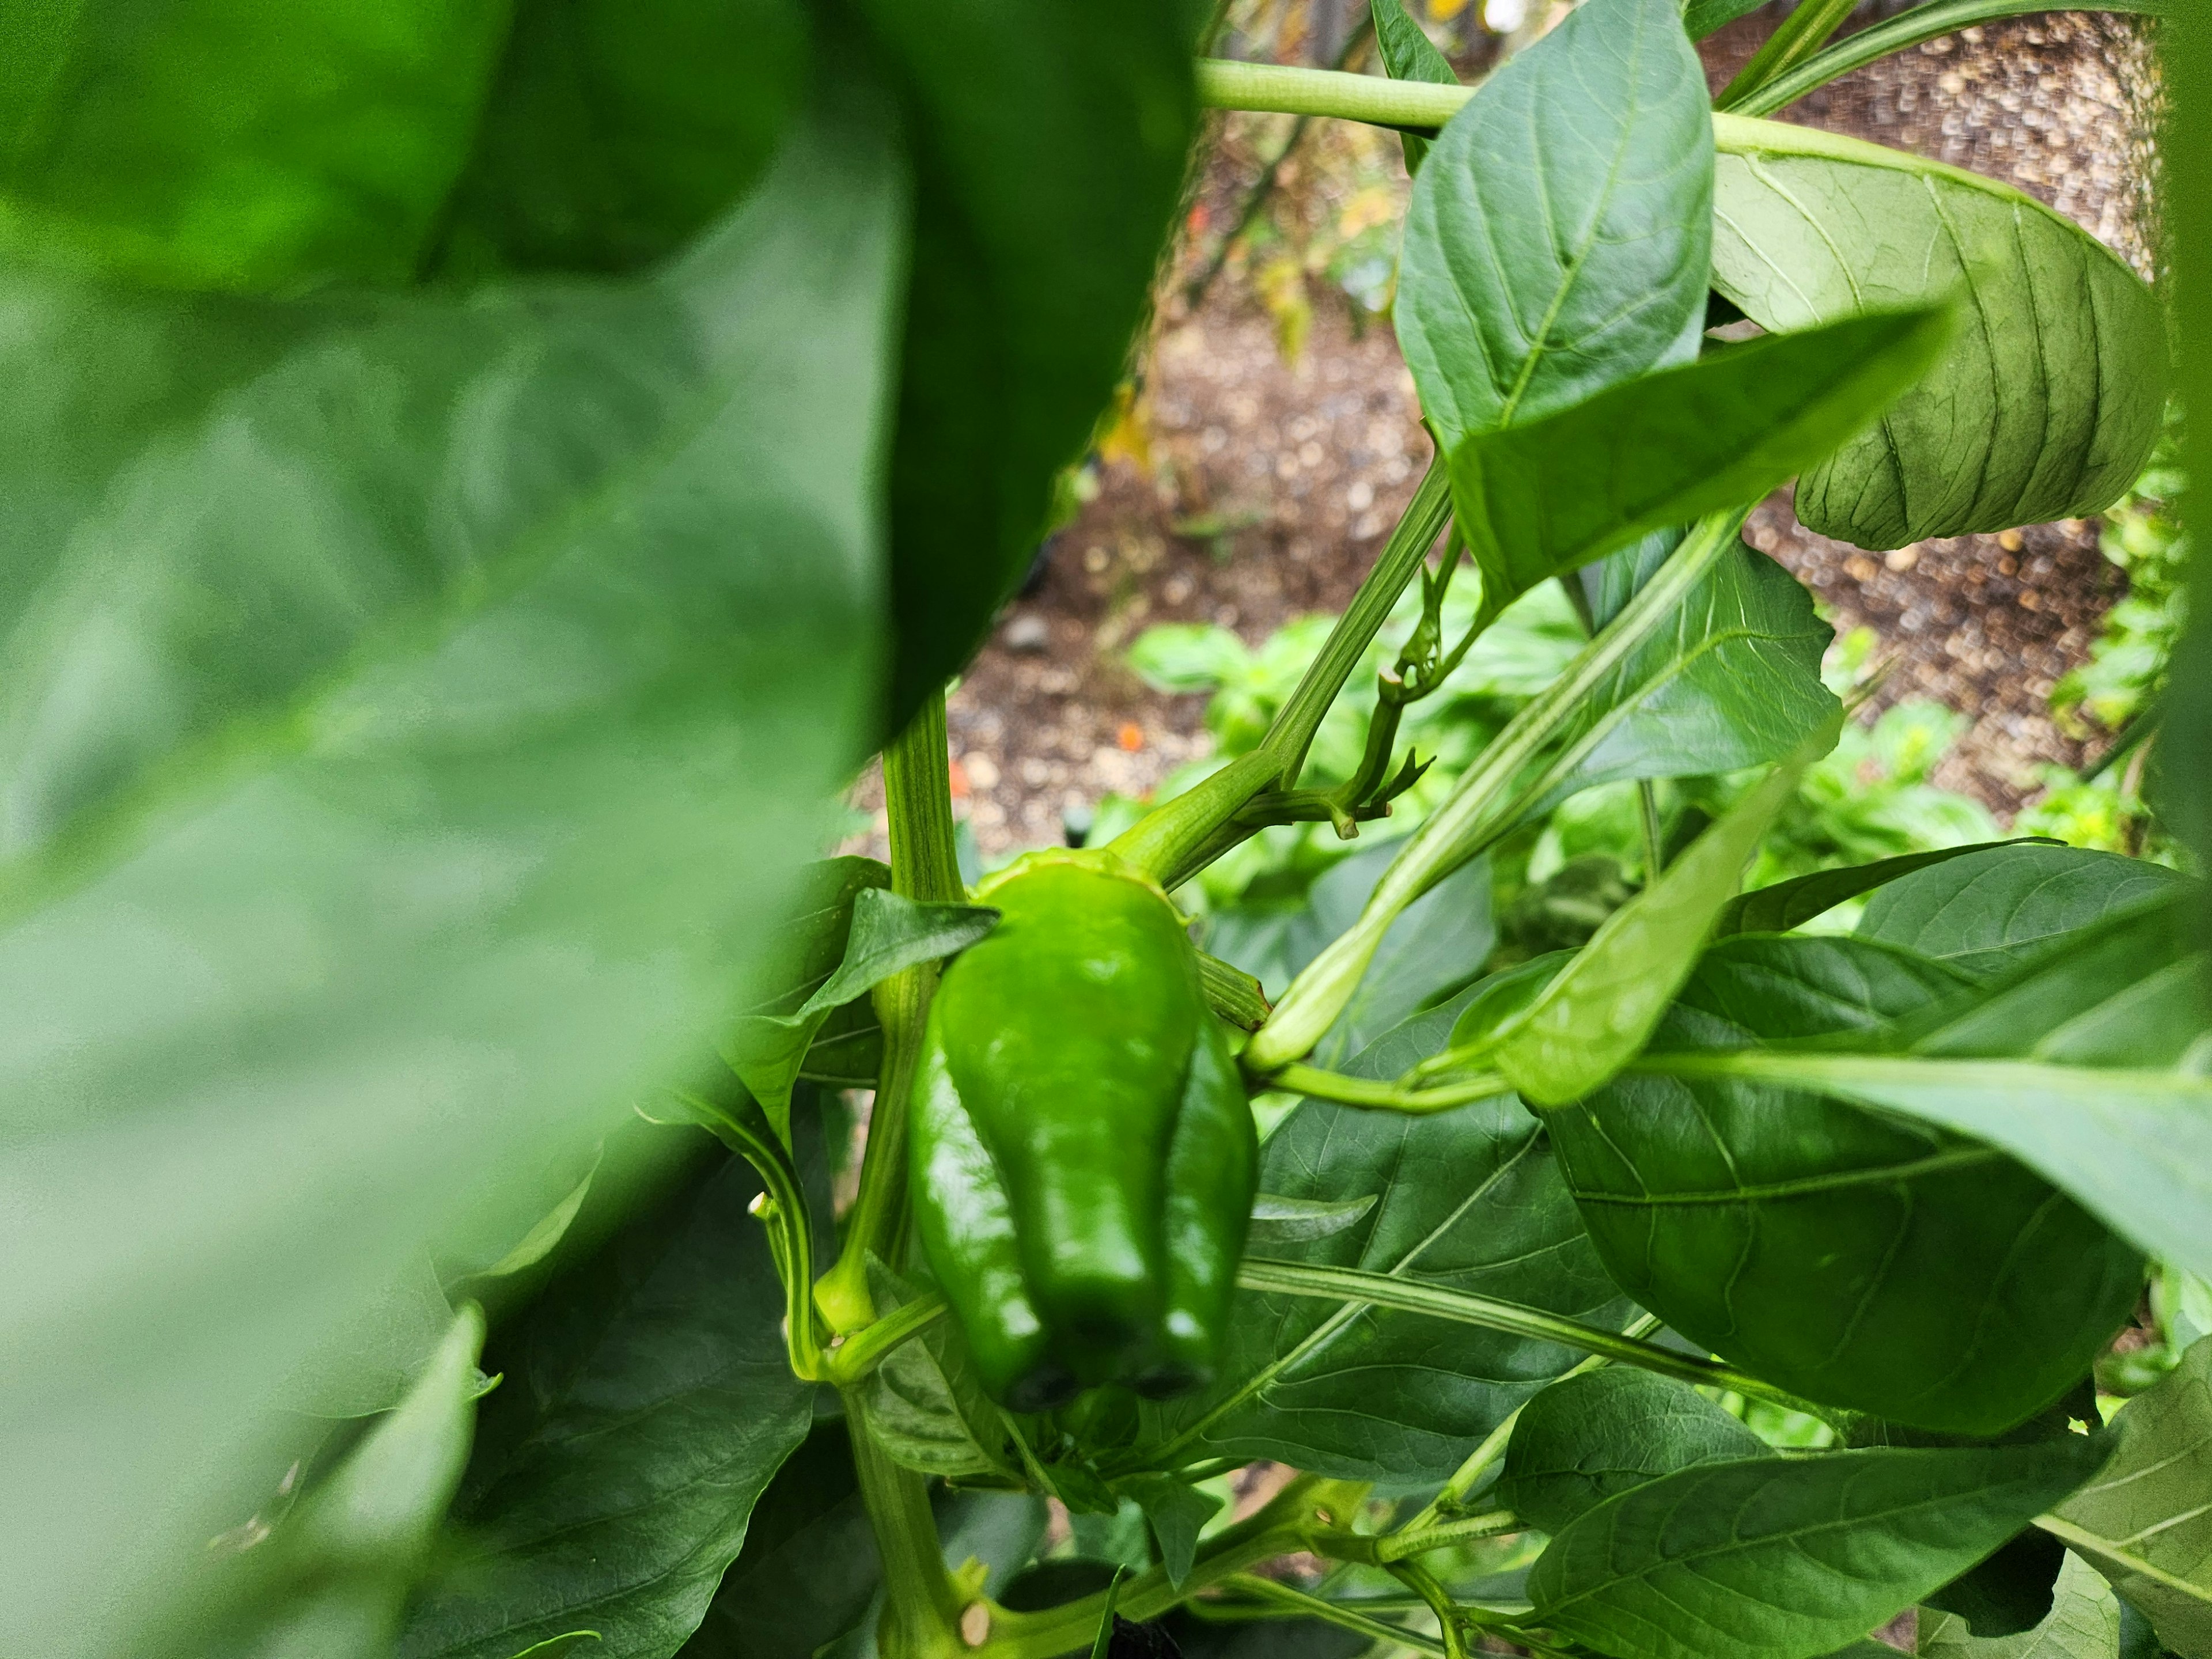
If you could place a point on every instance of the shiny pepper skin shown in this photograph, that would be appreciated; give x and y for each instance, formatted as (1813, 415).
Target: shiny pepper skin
(1083, 1153)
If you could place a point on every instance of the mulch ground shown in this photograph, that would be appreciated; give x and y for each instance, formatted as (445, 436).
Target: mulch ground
(1284, 475)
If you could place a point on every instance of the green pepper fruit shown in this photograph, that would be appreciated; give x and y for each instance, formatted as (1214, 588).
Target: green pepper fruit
(1083, 1154)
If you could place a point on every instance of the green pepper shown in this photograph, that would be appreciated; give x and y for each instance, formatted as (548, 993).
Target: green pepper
(1083, 1154)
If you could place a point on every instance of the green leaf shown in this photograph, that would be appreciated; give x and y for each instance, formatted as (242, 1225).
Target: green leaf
(1678, 702)
(1790, 1558)
(2082, 1065)
(1588, 1438)
(413, 714)
(1542, 497)
(1790, 904)
(377, 1357)
(1468, 1199)
(2145, 1522)
(649, 1403)
(1559, 233)
(2083, 1623)
(616, 131)
(1177, 1512)
(1702, 17)
(1592, 1017)
(1048, 146)
(808, 1573)
(809, 1570)
(332, 1580)
(1279, 1220)
(1847, 1256)
(191, 144)
(925, 1407)
(2048, 400)
(876, 934)
(1995, 907)
(1408, 54)
(1428, 954)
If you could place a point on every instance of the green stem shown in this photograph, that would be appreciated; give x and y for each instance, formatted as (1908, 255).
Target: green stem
(1415, 105)
(868, 1347)
(925, 865)
(1353, 1285)
(1655, 842)
(1372, 1095)
(1292, 733)
(1295, 1602)
(1398, 1545)
(783, 1210)
(1797, 38)
(1276, 1529)
(1178, 838)
(1440, 1603)
(1922, 23)
(1478, 805)
(1469, 1474)
(921, 1604)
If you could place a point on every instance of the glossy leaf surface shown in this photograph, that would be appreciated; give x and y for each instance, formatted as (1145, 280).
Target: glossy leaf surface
(648, 1401)
(376, 826)
(1540, 497)
(1558, 237)
(1467, 1199)
(2147, 1519)
(2049, 398)
(1852, 1258)
(1588, 1438)
(1788, 1558)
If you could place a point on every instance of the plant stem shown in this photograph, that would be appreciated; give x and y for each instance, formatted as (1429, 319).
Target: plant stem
(1478, 808)
(1655, 842)
(1440, 1603)
(1352, 1285)
(1276, 1529)
(1372, 1095)
(1798, 36)
(1414, 106)
(871, 1344)
(921, 1604)
(1923, 22)
(1295, 1602)
(918, 802)
(1398, 1545)
(1178, 838)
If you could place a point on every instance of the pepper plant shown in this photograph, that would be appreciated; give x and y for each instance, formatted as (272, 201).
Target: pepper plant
(483, 479)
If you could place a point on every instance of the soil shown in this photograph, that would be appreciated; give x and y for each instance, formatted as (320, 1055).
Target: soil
(1261, 484)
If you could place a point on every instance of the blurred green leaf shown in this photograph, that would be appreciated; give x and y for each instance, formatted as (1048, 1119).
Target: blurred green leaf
(190, 143)
(617, 130)
(413, 712)
(1048, 145)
